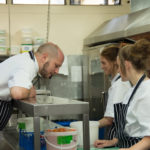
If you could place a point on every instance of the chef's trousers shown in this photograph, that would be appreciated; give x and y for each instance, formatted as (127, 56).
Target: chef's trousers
(6, 108)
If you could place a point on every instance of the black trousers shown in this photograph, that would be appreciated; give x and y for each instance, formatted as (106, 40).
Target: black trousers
(6, 108)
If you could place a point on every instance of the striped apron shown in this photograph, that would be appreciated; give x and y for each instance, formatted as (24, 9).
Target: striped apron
(6, 107)
(120, 111)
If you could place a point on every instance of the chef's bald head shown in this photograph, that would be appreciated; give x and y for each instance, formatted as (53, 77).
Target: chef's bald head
(50, 48)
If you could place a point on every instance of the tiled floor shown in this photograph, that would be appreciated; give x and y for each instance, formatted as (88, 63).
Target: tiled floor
(3, 143)
(9, 139)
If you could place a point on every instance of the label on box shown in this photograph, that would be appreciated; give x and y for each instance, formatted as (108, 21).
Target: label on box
(26, 48)
(22, 126)
(64, 139)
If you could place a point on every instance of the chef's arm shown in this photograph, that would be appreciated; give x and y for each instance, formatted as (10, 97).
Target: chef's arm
(144, 144)
(106, 121)
(106, 143)
(22, 93)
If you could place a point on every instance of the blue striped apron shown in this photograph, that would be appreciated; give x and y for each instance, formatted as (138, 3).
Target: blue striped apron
(6, 108)
(120, 111)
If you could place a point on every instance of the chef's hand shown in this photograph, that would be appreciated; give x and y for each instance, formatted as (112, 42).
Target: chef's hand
(102, 143)
(105, 143)
(32, 92)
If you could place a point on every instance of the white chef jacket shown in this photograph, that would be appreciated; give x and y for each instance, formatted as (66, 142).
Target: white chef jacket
(18, 70)
(138, 113)
(116, 94)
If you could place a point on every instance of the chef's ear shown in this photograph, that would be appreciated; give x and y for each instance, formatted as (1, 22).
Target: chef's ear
(44, 57)
(127, 64)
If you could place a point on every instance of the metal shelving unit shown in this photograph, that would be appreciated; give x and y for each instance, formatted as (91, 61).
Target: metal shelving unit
(31, 108)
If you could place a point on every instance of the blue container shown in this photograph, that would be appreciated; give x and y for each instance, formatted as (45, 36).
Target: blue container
(65, 123)
(26, 140)
(101, 133)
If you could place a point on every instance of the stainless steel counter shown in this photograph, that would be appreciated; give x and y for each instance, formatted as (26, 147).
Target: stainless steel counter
(55, 106)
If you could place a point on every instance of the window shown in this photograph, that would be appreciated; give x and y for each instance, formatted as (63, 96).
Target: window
(95, 2)
(55, 2)
(2, 1)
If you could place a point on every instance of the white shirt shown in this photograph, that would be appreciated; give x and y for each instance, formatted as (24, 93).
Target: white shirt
(116, 94)
(18, 70)
(138, 114)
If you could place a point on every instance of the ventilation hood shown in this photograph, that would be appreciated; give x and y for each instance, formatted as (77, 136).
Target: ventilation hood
(120, 28)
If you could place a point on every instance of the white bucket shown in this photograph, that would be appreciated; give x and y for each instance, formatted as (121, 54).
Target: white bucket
(61, 140)
(28, 123)
(94, 131)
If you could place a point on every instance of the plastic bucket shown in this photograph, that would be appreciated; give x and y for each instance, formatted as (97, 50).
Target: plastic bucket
(61, 139)
(27, 124)
(94, 131)
(26, 140)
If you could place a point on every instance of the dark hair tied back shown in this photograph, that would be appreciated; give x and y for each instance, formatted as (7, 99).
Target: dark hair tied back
(110, 52)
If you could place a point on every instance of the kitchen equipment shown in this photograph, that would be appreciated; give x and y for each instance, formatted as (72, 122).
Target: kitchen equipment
(93, 127)
(37, 110)
(43, 96)
(26, 123)
(26, 140)
(43, 92)
(61, 139)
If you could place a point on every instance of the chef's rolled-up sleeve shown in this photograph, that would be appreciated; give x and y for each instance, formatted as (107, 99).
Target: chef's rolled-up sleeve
(20, 78)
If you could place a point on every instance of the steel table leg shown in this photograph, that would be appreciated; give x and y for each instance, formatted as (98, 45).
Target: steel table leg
(37, 144)
(86, 134)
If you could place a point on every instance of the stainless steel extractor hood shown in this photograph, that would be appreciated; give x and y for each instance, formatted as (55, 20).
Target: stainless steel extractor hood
(120, 28)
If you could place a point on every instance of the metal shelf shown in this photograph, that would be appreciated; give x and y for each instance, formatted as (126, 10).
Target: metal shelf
(35, 110)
